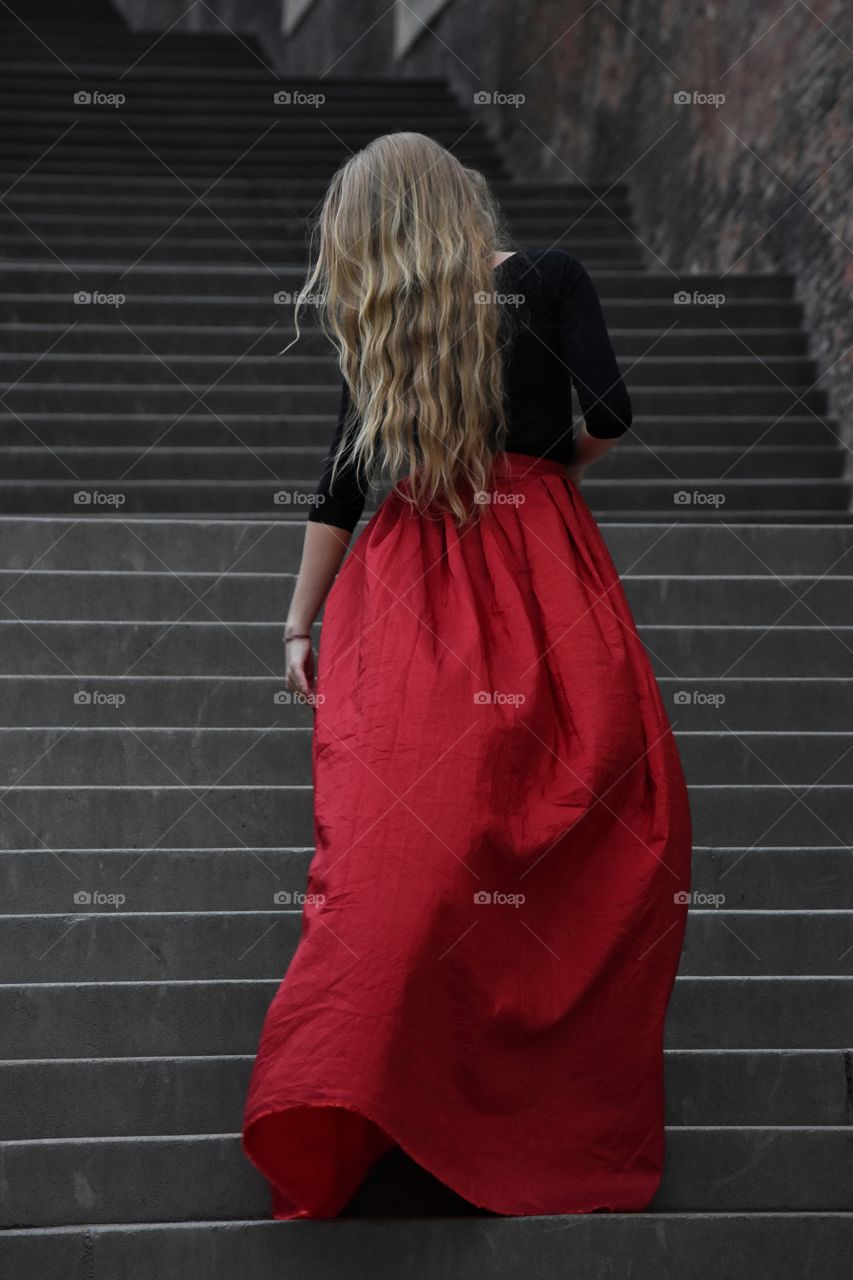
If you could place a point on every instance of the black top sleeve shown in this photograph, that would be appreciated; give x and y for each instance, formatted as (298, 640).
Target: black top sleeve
(342, 505)
(586, 348)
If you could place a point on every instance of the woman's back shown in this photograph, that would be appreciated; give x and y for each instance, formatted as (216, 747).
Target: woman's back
(560, 338)
(555, 336)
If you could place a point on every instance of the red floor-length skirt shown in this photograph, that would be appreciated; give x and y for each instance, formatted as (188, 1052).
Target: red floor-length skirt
(501, 868)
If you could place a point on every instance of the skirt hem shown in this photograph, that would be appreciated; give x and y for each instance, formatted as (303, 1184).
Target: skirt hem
(459, 1185)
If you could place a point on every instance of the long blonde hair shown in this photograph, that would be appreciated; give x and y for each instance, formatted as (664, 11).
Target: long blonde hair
(407, 295)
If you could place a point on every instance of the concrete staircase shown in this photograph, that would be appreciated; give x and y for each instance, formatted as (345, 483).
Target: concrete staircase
(157, 806)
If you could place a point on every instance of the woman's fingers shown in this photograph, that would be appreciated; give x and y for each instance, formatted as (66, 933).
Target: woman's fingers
(300, 666)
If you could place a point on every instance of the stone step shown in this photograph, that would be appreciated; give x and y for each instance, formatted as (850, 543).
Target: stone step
(170, 462)
(266, 195)
(793, 435)
(736, 704)
(144, 816)
(43, 881)
(221, 135)
(259, 308)
(307, 144)
(626, 500)
(44, 80)
(151, 595)
(129, 1019)
(198, 279)
(265, 546)
(96, 33)
(117, 756)
(25, 51)
(70, 368)
(666, 1246)
(226, 346)
(100, 122)
(46, 1098)
(557, 195)
(101, 941)
(227, 249)
(311, 153)
(541, 199)
(111, 650)
(171, 1178)
(173, 397)
(210, 233)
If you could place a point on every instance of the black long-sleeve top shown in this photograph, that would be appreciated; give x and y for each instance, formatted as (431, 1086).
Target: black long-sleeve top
(559, 339)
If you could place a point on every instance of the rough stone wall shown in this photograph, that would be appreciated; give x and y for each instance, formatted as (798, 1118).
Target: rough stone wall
(756, 182)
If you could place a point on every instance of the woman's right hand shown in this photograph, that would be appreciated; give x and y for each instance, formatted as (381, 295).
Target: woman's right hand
(299, 666)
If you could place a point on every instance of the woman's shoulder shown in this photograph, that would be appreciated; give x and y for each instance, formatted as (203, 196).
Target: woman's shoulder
(556, 268)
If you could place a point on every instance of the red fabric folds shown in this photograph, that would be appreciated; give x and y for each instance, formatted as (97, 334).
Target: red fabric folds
(501, 867)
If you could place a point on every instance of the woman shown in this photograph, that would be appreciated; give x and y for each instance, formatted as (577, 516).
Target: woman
(495, 905)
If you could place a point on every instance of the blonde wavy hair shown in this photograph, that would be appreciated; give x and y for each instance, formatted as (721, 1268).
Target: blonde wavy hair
(401, 253)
